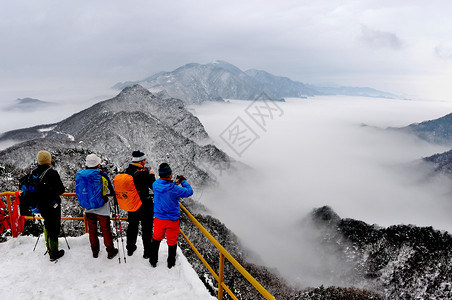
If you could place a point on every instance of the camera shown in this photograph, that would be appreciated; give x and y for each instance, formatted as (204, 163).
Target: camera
(180, 178)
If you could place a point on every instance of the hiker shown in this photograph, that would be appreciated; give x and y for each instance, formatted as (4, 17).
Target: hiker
(92, 187)
(143, 178)
(167, 212)
(49, 203)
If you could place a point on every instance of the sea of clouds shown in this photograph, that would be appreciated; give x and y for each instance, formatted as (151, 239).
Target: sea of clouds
(307, 153)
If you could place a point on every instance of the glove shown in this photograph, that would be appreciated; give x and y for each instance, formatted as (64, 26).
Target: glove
(179, 179)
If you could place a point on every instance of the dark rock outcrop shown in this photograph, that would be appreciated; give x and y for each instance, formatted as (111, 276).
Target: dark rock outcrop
(400, 262)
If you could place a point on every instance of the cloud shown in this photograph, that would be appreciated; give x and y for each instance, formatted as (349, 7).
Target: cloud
(317, 153)
(443, 51)
(53, 112)
(73, 44)
(379, 39)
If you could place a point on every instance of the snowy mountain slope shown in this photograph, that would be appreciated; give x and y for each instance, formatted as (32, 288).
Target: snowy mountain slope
(400, 262)
(171, 112)
(28, 274)
(113, 128)
(195, 83)
(438, 131)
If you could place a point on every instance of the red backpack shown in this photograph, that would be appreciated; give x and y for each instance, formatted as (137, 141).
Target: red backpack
(126, 192)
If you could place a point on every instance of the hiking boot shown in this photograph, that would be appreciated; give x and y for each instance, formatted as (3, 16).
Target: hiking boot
(171, 256)
(113, 253)
(131, 250)
(171, 264)
(154, 253)
(95, 254)
(57, 255)
(146, 255)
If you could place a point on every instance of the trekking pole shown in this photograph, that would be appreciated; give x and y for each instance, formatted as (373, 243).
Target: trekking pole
(116, 231)
(64, 235)
(40, 223)
(120, 228)
(37, 240)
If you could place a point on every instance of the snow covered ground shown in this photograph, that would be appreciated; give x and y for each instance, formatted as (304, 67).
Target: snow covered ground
(28, 274)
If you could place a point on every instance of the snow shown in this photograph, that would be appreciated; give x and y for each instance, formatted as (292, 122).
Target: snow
(47, 129)
(28, 274)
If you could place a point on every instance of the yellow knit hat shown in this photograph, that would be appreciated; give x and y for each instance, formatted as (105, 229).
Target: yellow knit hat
(44, 158)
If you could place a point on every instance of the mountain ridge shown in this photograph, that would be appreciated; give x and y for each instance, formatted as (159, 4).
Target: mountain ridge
(436, 131)
(133, 120)
(195, 83)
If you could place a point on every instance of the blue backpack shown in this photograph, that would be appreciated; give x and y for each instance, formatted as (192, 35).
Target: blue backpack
(88, 187)
(31, 186)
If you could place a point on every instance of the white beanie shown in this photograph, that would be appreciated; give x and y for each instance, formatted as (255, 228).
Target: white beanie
(92, 160)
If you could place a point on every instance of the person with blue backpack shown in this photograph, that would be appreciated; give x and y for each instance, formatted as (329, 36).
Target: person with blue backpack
(92, 187)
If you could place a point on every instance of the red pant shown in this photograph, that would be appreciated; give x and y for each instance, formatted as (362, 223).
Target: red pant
(104, 223)
(171, 228)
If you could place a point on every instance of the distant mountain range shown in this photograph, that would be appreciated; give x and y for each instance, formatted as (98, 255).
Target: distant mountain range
(29, 104)
(195, 83)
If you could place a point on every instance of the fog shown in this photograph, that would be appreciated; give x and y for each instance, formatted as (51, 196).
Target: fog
(316, 152)
(58, 108)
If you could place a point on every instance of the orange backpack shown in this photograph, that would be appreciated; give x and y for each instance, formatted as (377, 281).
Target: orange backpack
(126, 192)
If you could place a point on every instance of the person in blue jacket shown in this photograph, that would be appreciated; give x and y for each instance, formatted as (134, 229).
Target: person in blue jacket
(167, 212)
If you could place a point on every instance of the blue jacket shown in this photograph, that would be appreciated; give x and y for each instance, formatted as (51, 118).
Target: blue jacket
(166, 198)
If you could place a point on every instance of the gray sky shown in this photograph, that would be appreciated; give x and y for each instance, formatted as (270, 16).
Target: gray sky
(66, 50)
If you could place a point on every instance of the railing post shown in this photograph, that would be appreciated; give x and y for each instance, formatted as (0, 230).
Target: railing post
(86, 223)
(221, 277)
(10, 211)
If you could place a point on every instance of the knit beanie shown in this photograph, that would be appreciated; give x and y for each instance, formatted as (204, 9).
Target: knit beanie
(44, 158)
(138, 156)
(164, 170)
(92, 160)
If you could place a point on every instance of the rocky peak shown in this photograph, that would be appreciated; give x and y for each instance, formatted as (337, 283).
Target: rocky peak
(399, 260)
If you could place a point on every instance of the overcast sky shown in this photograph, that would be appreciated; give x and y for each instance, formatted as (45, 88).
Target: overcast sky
(60, 50)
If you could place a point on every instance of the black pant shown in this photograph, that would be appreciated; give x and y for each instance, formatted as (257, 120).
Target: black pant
(145, 215)
(52, 221)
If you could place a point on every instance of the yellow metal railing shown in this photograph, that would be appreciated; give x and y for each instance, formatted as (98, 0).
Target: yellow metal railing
(223, 252)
